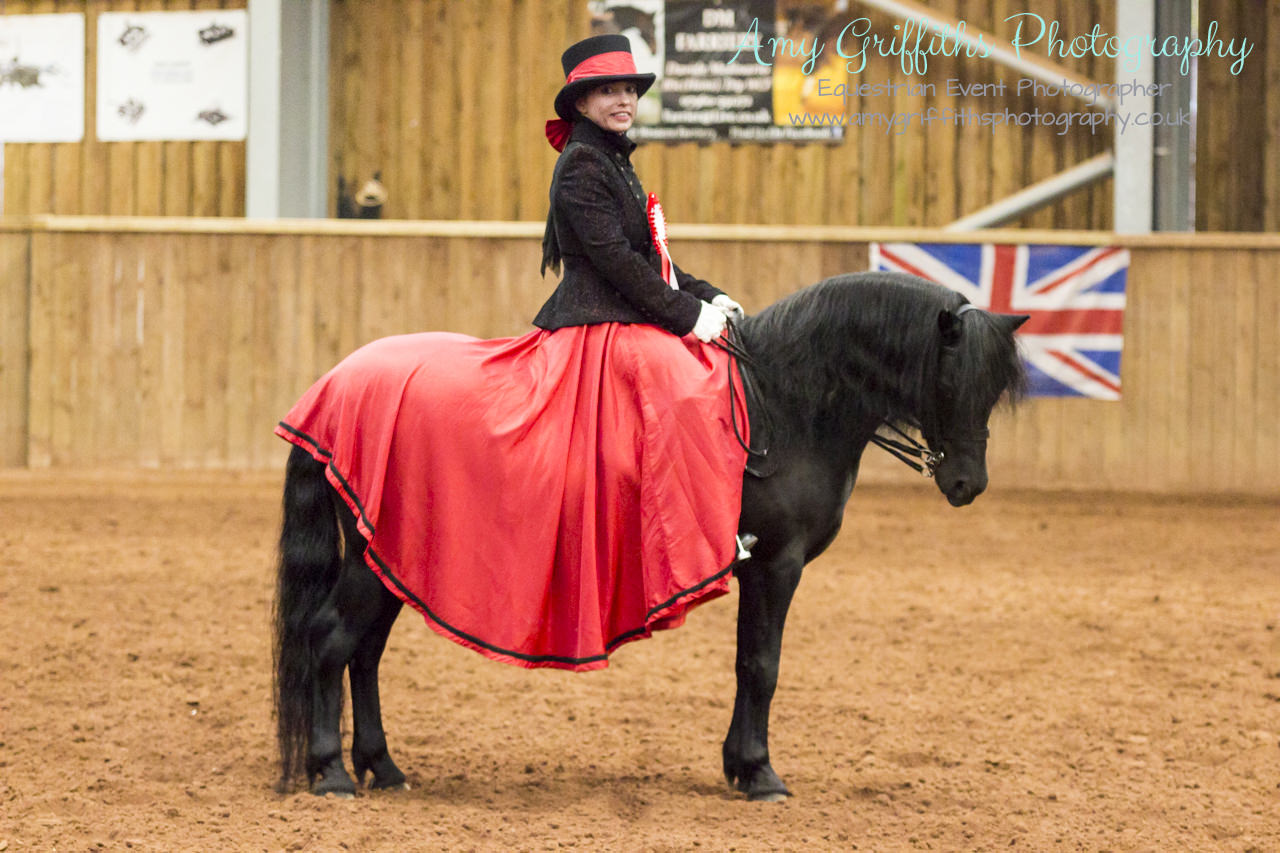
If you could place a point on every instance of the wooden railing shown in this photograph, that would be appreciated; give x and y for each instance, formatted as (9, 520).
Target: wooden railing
(159, 343)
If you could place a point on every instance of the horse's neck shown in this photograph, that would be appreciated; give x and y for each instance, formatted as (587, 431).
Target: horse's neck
(829, 428)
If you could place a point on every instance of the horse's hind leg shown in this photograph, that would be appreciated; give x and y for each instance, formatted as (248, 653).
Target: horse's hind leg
(350, 629)
(333, 644)
(369, 741)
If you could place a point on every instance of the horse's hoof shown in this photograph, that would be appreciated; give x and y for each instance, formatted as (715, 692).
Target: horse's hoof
(337, 795)
(395, 782)
(386, 775)
(338, 784)
(761, 786)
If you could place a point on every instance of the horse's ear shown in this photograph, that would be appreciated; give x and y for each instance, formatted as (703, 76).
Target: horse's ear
(1013, 322)
(949, 326)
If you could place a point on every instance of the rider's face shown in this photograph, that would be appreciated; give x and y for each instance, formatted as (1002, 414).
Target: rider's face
(611, 105)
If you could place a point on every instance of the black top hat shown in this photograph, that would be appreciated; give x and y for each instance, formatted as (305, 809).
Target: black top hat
(593, 61)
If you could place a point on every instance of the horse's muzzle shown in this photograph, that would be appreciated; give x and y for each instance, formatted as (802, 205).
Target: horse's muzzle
(962, 483)
(963, 491)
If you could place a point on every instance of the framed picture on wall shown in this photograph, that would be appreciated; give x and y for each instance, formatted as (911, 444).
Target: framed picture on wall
(41, 78)
(173, 75)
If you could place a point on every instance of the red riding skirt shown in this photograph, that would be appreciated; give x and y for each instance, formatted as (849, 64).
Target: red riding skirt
(541, 499)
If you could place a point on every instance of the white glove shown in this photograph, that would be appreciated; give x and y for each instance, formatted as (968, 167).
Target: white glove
(711, 322)
(733, 309)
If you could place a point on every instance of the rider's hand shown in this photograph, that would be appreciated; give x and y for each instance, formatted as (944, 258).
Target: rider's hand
(711, 322)
(733, 309)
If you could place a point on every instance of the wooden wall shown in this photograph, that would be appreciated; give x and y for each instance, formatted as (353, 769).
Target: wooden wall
(456, 145)
(1238, 125)
(178, 344)
(121, 178)
(447, 100)
(15, 309)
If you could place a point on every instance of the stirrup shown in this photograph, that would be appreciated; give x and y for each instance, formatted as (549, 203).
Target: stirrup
(746, 541)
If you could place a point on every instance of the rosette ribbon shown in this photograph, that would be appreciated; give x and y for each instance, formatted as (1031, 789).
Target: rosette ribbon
(658, 228)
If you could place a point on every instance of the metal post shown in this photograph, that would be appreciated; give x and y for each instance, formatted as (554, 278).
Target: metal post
(287, 156)
(1135, 144)
(1037, 195)
(1175, 143)
(304, 110)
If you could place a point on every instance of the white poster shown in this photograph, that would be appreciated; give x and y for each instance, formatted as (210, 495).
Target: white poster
(173, 75)
(41, 78)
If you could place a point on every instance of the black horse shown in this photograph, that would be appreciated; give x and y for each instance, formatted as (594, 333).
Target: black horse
(828, 367)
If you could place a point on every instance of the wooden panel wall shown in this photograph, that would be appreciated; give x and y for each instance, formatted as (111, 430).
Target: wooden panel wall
(1238, 126)
(447, 100)
(121, 178)
(15, 278)
(170, 345)
(182, 350)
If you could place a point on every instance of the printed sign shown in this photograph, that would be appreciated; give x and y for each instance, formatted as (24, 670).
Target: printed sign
(720, 76)
(41, 78)
(173, 75)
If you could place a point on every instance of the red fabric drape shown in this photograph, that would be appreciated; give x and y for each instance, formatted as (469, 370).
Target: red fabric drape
(540, 499)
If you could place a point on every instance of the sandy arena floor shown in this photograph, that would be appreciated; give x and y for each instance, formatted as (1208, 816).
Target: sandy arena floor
(1035, 672)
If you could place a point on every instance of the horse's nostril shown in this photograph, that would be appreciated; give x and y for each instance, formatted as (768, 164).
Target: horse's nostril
(960, 493)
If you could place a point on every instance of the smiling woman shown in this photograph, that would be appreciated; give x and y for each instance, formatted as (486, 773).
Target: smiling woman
(597, 223)
(612, 106)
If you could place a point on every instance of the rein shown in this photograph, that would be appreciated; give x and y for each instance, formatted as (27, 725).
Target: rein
(908, 450)
(731, 343)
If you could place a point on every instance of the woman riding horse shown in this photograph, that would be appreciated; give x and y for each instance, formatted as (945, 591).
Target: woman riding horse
(618, 283)
(590, 468)
(544, 499)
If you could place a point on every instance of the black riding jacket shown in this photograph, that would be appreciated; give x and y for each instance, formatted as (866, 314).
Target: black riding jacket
(599, 222)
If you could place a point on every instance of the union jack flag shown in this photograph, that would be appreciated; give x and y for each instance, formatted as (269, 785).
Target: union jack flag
(1074, 294)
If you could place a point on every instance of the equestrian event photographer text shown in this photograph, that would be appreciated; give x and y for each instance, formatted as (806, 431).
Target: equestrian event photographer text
(914, 41)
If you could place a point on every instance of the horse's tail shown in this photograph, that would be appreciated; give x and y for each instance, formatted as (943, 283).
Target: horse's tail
(309, 564)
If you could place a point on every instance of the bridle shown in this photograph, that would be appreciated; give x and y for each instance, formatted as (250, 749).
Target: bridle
(908, 449)
(905, 448)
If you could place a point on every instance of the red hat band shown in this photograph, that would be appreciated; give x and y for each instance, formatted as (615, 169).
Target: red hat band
(610, 64)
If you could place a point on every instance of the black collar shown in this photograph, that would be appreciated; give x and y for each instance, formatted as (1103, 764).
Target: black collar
(588, 132)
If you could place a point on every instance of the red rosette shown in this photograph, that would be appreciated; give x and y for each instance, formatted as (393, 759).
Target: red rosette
(658, 230)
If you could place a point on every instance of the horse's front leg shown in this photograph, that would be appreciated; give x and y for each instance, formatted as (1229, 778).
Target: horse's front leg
(765, 590)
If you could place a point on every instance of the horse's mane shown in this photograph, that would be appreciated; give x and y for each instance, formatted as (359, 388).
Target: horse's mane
(989, 367)
(872, 341)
